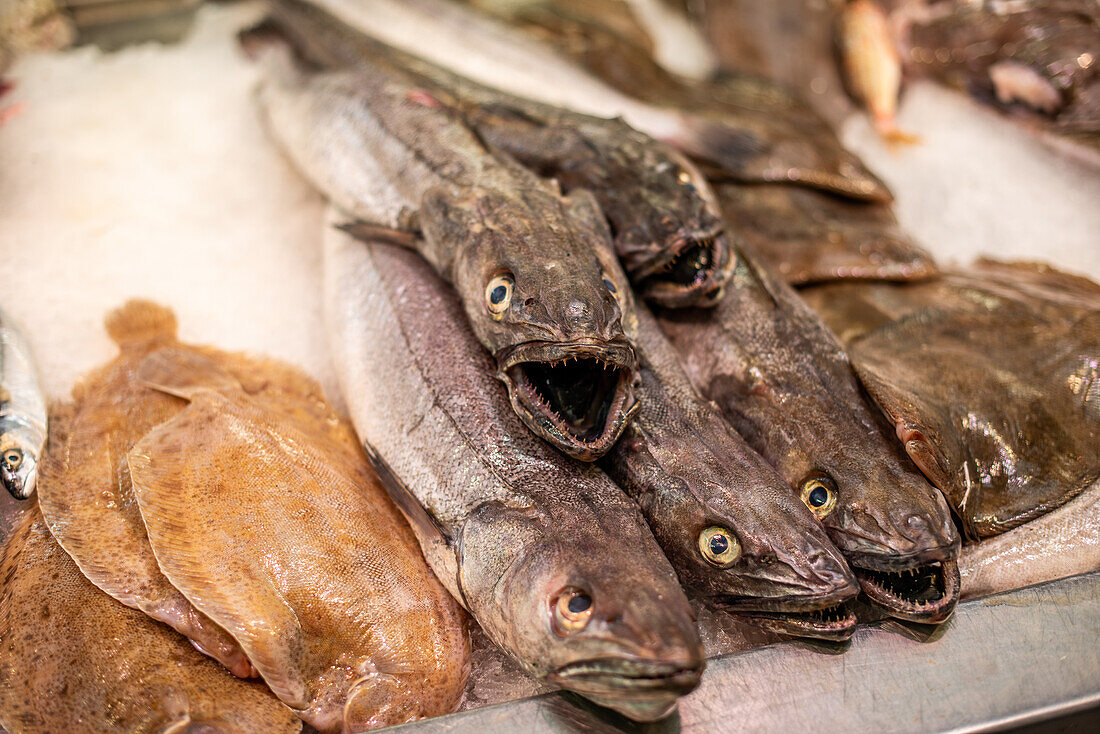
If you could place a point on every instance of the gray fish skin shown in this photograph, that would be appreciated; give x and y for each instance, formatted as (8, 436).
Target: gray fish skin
(693, 476)
(510, 526)
(392, 156)
(668, 229)
(22, 411)
(485, 50)
(785, 384)
(989, 375)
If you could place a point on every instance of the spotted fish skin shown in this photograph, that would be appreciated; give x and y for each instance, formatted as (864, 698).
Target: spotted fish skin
(23, 418)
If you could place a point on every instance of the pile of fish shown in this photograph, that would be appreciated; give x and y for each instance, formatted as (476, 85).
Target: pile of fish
(569, 339)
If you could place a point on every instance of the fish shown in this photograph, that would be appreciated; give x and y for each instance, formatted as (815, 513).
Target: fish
(744, 144)
(785, 384)
(990, 375)
(275, 528)
(1063, 542)
(76, 660)
(665, 221)
(85, 490)
(730, 525)
(536, 269)
(23, 419)
(872, 64)
(552, 560)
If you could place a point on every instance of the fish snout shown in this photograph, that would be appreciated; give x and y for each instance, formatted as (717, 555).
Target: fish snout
(897, 537)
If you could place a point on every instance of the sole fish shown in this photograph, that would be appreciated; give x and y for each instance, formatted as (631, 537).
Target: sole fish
(76, 660)
(550, 557)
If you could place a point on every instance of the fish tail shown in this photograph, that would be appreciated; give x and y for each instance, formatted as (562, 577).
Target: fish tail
(138, 321)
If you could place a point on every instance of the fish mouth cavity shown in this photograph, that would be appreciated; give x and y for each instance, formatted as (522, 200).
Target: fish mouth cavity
(694, 274)
(923, 592)
(578, 396)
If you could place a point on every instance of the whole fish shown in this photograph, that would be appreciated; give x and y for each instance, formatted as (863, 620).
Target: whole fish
(75, 660)
(729, 524)
(1064, 542)
(275, 528)
(990, 376)
(85, 491)
(536, 270)
(749, 147)
(22, 412)
(666, 225)
(550, 557)
(783, 381)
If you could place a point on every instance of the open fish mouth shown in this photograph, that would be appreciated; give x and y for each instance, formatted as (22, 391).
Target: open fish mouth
(924, 593)
(644, 691)
(577, 396)
(835, 623)
(694, 275)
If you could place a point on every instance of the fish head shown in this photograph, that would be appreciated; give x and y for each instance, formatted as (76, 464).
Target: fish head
(18, 467)
(544, 293)
(894, 529)
(598, 613)
(669, 232)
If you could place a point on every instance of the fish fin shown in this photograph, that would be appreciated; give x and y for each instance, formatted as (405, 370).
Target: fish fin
(370, 232)
(418, 516)
(167, 470)
(379, 699)
(182, 373)
(138, 320)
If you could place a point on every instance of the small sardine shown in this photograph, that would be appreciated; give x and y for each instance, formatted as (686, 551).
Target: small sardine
(22, 412)
(729, 524)
(75, 660)
(272, 524)
(536, 270)
(550, 557)
(990, 375)
(666, 225)
(785, 384)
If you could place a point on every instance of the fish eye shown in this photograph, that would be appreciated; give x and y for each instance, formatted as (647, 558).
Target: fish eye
(719, 546)
(819, 493)
(610, 286)
(572, 611)
(13, 458)
(498, 294)
(683, 177)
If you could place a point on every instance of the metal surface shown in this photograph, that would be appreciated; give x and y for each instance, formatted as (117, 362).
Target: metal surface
(1000, 662)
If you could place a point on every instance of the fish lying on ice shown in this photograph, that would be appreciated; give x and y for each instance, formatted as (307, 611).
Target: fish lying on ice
(85, 491)
(275, 528)
(76, 660)
(735, 533)
(536, 270)
(22, 412)
(665, 221)
(784, 383)
(550, 557)
(991, 376)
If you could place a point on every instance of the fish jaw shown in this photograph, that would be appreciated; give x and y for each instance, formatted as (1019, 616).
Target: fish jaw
(925, 593)
(821, 611)
(19, 483)
(691, 271)
(640, 690)
(540, 376)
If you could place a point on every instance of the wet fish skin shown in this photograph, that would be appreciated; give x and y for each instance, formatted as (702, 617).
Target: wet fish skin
(785, 384)
(989, 375)
(75, 660)
(752, 147)
(659, 204)
(391, 155)
(22, 411)
(691, 473)
(510, 526)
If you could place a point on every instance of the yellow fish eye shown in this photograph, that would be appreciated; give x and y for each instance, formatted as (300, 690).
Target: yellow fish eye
(719, 546)
(13, 458)
(498, 294)
(572, 611)
(820, 494)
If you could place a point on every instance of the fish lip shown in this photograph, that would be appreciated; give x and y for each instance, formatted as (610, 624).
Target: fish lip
(18, 487)
(547, 423)
(887, 560)
(705, 292)
(608, 676)
(895, 605)
(808, 623)
(796, 604)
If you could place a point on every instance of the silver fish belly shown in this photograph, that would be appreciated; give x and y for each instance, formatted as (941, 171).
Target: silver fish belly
(22, 411)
